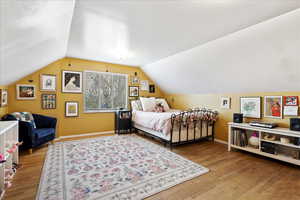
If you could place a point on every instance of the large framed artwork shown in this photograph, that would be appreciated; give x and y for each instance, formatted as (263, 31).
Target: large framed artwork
(71, 109)
(71, 82)
(105, 91)
(250, 107)
(26, 92)
(48, 82)
(3, 97)
(273, 107)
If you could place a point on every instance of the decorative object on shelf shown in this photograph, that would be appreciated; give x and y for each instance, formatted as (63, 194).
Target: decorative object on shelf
(133, 91)
(250, 107)
(273, 107)
(48, 101)
(285, 140)
(268, 147)
(71, 109)
(71, 82)
(290, 110)
(295, 124)
(254, 140)
(237, 117)
(152, 88)
(269, 137)
(144, 85)
(3, 97)
(135, 79)
(26, 92)
(291, 100)
(48, 82)
(225, 102)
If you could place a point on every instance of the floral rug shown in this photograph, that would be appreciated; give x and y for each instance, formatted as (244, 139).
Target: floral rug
(112, 167)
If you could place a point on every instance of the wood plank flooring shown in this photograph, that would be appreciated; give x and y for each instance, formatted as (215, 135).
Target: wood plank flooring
(233, 176)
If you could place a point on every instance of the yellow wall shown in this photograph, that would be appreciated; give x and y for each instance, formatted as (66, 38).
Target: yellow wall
(3, 110)
(86, 122)
(214, 101)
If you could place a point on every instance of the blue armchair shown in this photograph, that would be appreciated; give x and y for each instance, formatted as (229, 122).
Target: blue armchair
(34, 137)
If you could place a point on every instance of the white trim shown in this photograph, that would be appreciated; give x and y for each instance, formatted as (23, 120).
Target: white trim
(85, 134)
(221, 141)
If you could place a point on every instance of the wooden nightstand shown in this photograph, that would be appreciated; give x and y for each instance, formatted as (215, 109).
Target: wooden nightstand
(123, 121)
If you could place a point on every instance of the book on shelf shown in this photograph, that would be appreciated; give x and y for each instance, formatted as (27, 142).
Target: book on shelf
(239, 138)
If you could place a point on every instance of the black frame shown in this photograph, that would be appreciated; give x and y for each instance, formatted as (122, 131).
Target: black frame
(42, 102)
(77, 108)
(138, 94)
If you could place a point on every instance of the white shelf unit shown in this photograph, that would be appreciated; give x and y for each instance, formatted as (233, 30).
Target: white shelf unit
(9, 132)
(278, 132)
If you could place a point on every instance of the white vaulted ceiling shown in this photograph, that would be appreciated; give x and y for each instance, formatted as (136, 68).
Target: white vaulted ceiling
(34, 33)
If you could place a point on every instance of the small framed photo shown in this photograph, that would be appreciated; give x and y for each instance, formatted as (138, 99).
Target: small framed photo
(273, 107)
(291, 100)
(26, 92)
(152, 88)
(71, 109)
(133, 91)
(144, 85)
(250, 107)
(48, 82)
(71, 82)
(135, 80)
(48, 101)
(3, 97)
(225, 102)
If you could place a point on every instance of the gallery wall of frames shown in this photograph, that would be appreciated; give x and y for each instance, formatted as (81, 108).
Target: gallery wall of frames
(59, 90)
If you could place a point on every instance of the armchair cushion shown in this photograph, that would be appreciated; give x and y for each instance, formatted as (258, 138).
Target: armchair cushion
(25, 117)
(43, 121)
(43, 135)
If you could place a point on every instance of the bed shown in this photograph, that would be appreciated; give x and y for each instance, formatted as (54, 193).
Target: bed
(174, 127)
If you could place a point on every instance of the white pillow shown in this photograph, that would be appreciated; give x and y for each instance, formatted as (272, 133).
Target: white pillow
(163, 103)
(136, 105)
(148, 104)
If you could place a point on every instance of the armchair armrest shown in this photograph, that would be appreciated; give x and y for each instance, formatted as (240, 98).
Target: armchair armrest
(42, 121)
(26, 133)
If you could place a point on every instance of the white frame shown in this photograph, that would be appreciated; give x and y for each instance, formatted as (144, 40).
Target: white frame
(265, 107)
(102, 110)
(228, 99)
(42, 76)
(63, 82)
(258, 115)
(25, 98)
(66, 109)
(1, 97)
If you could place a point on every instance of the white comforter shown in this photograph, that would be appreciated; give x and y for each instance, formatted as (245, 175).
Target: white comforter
(153, 120)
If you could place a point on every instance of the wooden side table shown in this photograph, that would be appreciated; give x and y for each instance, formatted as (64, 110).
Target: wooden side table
(123, 121)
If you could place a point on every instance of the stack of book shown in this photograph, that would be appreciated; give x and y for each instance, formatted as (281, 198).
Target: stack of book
(239, 138)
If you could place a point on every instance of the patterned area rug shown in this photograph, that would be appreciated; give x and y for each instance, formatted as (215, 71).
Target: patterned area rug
(112, 167)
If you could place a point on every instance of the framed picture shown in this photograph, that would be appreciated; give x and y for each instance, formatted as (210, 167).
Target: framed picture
(48, 82)
(290, 110)
(144, 85)
(250, 107)
(273, 107)
(71, 82)
(26, 92)
(133, 91)
(3, 97)
(48, 101)
(135, 80)
(152, 88)
(225, 102)
(291, 100)
(71, 109)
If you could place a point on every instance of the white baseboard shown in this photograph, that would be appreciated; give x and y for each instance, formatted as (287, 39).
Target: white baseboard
(221, 141)
(85, 134)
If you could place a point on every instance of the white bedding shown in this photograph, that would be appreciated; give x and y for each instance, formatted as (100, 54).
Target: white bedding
(160, 122)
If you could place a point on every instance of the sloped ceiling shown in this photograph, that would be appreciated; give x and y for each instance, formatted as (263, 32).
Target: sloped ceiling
(261, 58)
(35, 33)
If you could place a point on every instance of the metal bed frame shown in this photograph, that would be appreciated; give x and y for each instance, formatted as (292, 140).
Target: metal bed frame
(194, 118)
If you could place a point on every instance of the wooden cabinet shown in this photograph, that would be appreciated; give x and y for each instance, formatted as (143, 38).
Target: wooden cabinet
(123, 121)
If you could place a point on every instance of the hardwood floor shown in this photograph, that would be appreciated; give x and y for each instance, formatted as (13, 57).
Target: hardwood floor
(233, 176)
